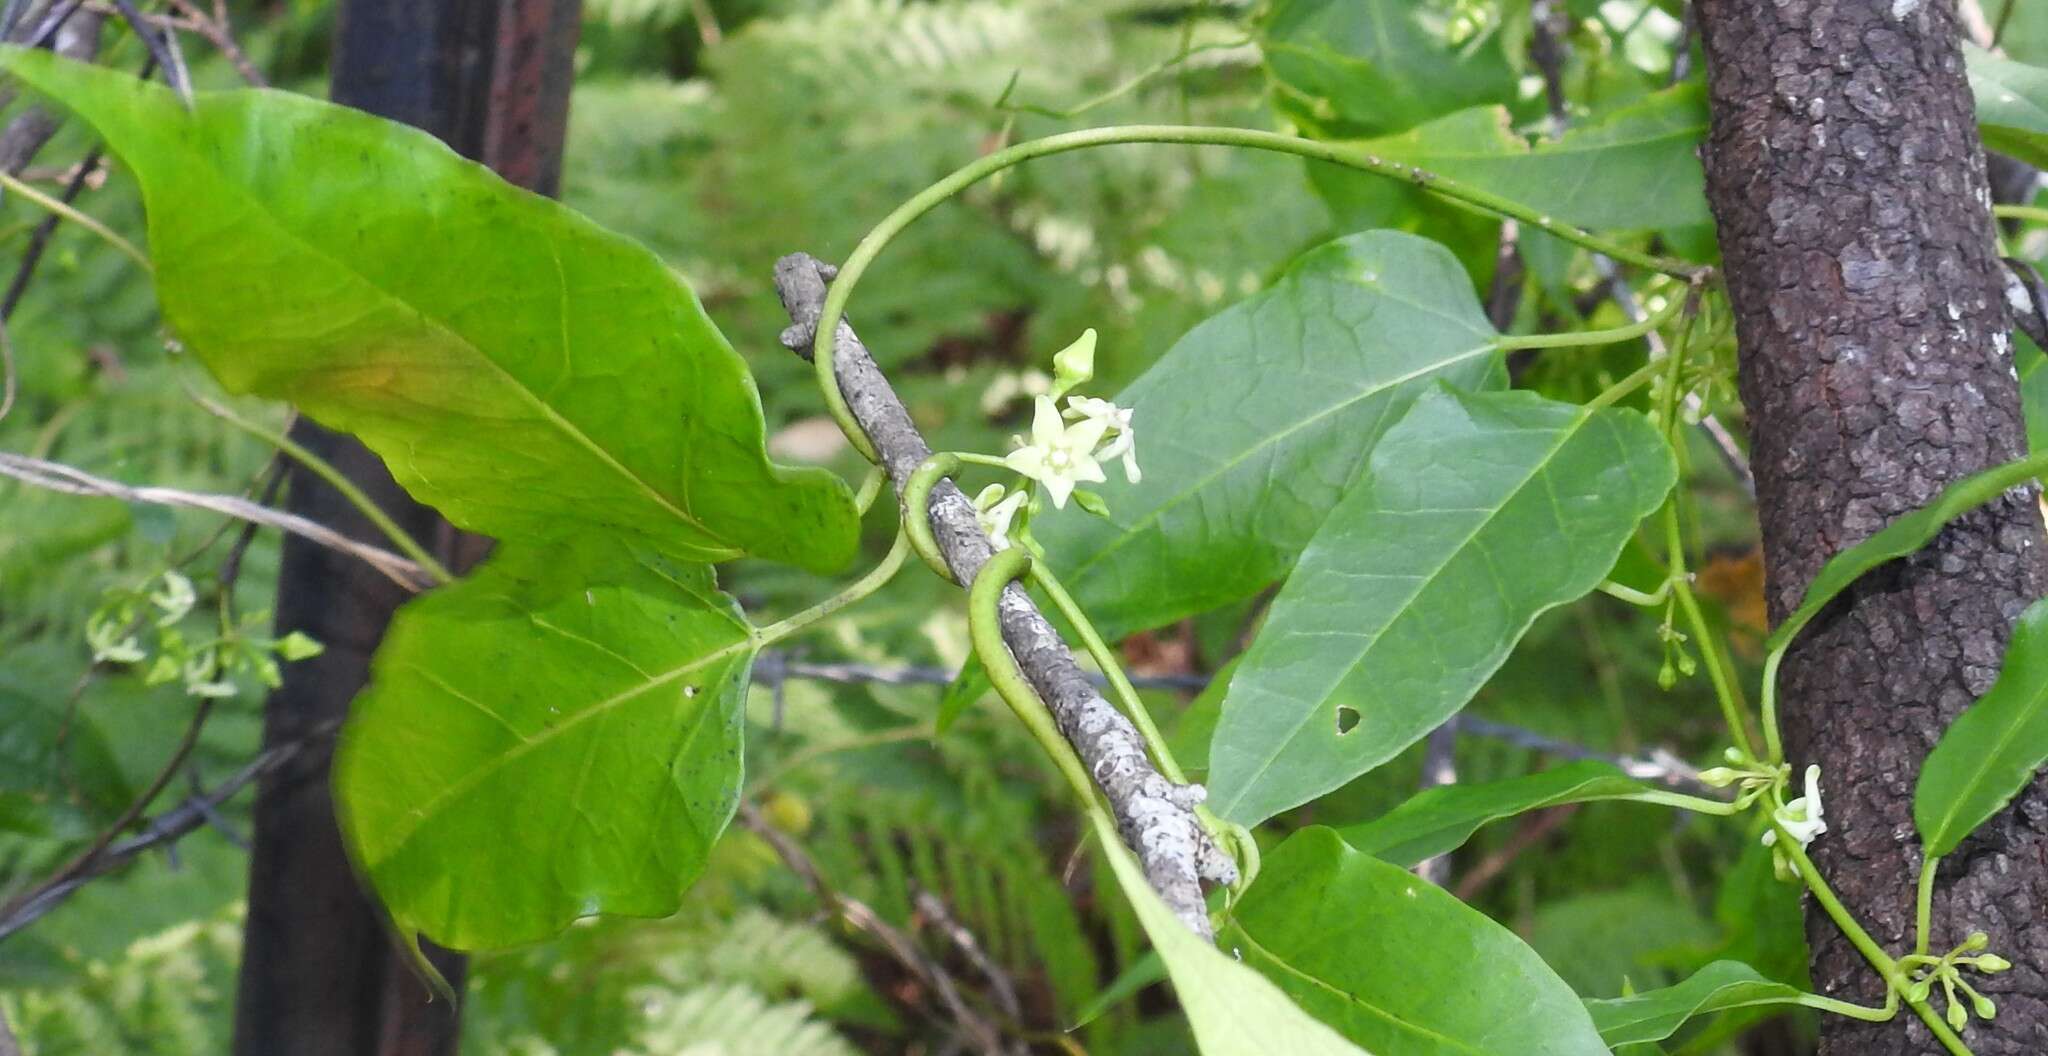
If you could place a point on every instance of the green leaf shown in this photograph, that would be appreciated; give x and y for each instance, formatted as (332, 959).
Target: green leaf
(1636, 168)
(1253, 425)
(968, 686)
(520, 369)
(1232, 1009)
(1141, 973)
(2012, 105)
(1657, 1014)
(1902, 537)
(1396, 964)
(1373, 66)
(1477, 514)
(555, 736)
(1441, 819)
(1993, 748)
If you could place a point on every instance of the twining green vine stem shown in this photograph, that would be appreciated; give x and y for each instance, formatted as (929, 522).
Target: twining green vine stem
(1769, 694)
(917, 517)
(1894, 977)
(2021, 212)
(870, 487)
(860, 588)
(1587, 338)
(1923, 904)
(1112, 668)
(1697, 804)
(335, 479)
(1720, 670)
(863, 255)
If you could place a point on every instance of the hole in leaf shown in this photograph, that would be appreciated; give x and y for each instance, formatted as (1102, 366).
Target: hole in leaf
(1347, 719)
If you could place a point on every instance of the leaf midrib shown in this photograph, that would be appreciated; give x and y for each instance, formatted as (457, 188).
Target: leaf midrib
(1153, 515)
(1265, 765)
(568, 428)
(2030, 704)
(547, 735)
(1417, 1029)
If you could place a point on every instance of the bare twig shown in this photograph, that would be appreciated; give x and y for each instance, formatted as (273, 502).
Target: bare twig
(1661, 765)
(933, 908)
(1710, 426)
(2026, 300)
(978, 1031)
(1439, 767)
(1155, 817)
(1547, 23)
(76, 38)
(164, 829)
(1681, 52)
(85, 859)
(163, 48)
(219, 31)
(56, 476)
(1531, 832)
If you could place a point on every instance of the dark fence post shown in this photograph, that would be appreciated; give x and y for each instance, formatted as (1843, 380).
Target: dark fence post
(320, 976)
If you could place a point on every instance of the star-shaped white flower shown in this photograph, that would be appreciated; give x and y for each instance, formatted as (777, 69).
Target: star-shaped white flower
(1059, 455)
(996, 512)
(1802, 818)
(1123, 440)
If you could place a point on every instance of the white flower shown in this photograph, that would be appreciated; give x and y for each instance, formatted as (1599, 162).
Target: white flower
(996, 512)
(1802, 818)
(175, 599)
(1059, 455)
(109, 644)
(1124, 440)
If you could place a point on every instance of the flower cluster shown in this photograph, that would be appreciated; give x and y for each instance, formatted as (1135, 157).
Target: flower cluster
(1947, 970)
(1802, 818)
(1066, 448)
(134, 626)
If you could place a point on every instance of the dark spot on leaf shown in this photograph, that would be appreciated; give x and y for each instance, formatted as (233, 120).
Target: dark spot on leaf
(1347, 719)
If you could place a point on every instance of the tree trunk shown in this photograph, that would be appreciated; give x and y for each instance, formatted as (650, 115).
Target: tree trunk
(320, 976)
(1848, 185)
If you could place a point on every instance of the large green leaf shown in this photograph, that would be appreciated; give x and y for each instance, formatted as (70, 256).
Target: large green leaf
(1254, 423)
(2012, 105)
(555, 736)
(1373, 66)
(1635, 168)
(522, 370)
(1992, 749)
(1396, 964)
(1478, 512)
(1904, 536)
(1657, 1014)
(1232, 1009)
(1441, 819)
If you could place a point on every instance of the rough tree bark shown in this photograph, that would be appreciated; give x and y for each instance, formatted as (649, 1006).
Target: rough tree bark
(319, 975)
(1848, 184)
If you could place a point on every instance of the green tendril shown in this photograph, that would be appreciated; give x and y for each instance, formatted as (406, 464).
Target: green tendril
(917, 517)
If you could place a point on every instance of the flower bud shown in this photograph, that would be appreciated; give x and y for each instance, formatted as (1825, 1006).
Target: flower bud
(1957, 1018)
(1991, 963)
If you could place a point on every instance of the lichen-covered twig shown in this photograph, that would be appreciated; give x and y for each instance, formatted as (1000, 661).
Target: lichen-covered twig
(1155, 816)
(55, 476)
